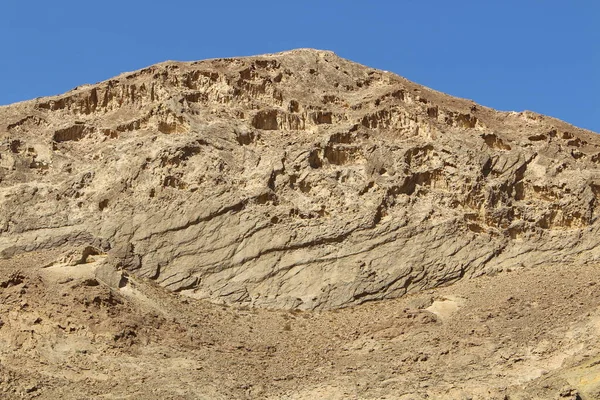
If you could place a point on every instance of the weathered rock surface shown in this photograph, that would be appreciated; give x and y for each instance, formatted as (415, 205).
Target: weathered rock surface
(294, 180)
(83, 332)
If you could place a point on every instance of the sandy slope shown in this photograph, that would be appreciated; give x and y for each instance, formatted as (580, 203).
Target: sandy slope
(523, 334)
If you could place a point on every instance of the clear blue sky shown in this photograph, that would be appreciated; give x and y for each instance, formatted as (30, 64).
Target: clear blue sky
(511, 55)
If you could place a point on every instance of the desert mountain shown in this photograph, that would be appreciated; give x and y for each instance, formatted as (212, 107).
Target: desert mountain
(290, 188)
(296, 180)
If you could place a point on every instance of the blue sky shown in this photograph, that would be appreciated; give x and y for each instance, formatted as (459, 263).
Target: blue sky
(511, 55)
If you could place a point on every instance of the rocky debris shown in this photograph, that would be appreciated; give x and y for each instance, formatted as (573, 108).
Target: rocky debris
(530, 333)
(114, 278)
(73, 257)
(296, 180)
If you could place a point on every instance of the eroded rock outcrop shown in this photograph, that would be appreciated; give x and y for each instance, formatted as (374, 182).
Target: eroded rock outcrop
(294, 180)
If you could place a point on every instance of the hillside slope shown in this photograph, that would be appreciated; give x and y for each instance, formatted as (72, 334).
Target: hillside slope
(531, 333)
(296, 180)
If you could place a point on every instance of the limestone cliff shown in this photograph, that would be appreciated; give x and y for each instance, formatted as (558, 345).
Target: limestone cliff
(294, 180)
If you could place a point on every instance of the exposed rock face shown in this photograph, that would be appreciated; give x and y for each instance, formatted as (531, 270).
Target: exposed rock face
(294, 180)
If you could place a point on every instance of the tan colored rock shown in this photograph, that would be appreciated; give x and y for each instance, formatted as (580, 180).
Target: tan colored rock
(110, 276)
(294, 180)
(66, 333)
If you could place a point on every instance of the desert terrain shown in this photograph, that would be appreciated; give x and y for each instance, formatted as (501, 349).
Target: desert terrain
(294, 226)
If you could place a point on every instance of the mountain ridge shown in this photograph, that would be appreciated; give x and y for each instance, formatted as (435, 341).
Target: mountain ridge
(316, 52)
(294, 180)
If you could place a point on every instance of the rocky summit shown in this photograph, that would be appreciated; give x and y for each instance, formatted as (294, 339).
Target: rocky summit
(209, 230)
(296, 180)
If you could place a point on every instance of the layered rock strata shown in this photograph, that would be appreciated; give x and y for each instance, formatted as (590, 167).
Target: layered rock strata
(294, 180)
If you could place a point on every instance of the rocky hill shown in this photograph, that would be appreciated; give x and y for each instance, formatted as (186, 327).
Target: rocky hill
(296, 180)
